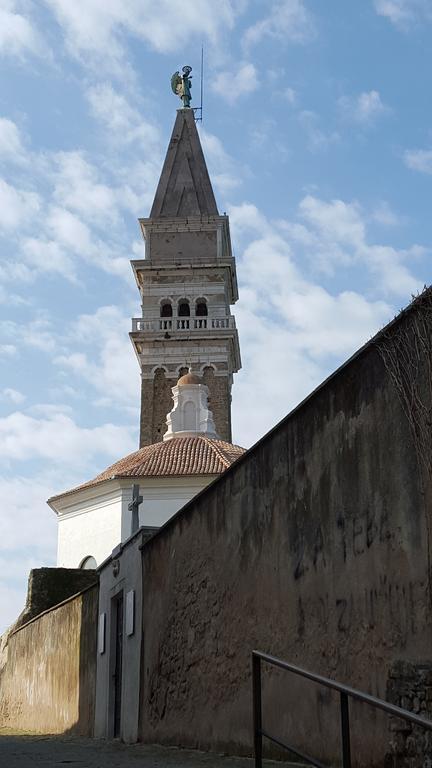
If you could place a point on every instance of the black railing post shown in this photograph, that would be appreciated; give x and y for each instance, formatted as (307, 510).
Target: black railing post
(257, 711)
(345, 731)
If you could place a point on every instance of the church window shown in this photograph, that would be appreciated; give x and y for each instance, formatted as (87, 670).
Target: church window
(166, 308)
(89, 563)
(201, 308)
(183, 308)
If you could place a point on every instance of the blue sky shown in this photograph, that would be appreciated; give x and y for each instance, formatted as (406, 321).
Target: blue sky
(318, 135)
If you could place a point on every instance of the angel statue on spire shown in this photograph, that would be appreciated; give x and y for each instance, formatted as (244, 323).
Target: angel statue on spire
(181, 85)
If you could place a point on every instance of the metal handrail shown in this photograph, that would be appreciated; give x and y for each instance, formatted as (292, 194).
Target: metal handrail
(345, 691)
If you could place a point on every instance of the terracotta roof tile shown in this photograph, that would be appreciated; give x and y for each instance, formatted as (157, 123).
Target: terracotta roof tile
(179, 456)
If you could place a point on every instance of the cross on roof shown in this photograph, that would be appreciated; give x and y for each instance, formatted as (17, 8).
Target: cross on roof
(133, 507)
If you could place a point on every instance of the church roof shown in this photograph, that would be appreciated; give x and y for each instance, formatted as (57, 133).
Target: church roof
(197, 455)
(184, 187)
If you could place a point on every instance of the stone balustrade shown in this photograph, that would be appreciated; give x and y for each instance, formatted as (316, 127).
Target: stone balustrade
(174, 324)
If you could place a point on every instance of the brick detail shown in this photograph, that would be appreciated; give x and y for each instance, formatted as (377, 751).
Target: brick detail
(156, 402)
(219, 402)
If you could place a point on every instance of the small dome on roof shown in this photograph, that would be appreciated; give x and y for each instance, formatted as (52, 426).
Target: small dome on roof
(189, 378)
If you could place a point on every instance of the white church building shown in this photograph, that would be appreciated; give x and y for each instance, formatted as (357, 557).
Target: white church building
(187, 282)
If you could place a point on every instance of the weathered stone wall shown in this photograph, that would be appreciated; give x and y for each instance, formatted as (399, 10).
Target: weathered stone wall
(219, 402)
(181, 246)
(410, 687)
(156, 402)
(48, 682)
(313, 547)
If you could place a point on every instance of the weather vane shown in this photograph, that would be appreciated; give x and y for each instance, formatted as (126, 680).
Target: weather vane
(181, 85)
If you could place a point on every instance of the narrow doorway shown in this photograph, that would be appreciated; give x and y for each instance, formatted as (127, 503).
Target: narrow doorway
(118, 662)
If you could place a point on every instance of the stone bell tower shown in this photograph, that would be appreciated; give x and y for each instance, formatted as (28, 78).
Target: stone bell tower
(187, 282)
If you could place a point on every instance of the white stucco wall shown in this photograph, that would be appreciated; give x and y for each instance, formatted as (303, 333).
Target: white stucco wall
(162, 498)
(95, 520)
(89, 526)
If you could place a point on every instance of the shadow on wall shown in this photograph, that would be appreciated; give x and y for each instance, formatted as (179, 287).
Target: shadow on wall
(48, 672)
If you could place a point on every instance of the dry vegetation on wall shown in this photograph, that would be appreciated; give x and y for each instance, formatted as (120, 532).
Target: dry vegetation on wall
(406, 351)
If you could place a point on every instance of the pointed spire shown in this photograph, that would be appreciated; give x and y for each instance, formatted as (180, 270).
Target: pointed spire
(184, 187)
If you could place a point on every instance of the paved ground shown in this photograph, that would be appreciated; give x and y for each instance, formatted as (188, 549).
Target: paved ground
(24, 751)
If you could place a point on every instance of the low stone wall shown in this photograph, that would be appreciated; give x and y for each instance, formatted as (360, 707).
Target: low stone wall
(47, 684)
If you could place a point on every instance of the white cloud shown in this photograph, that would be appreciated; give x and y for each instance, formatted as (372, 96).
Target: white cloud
(232, 85)
(124, 122)
(341, 237)
(223, 172)
(71, 235)
(67, 455)
(10, 140)
(81, 206)
(419, 160)
(28, 537)
(8, 350)
(17, 206)
(48, 256)
(69, 230)
(26, 522)
(292, 321)
(336, 220)
(384, 214)
(288, 20)
(403, 12)
(12, 600)
(364, 109)
(111, 367)
(36, 333)
(246, 218)
(77, 187)
(290, 95)
(17, 34)
(59, 439)
(317, 138)
(12, 395)
(100, 28)
(50, 409)
(286, 316)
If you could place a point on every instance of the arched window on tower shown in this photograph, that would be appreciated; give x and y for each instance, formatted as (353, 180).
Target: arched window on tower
(201, 313)
(201, 309)
(166, 308)
(183, 308)
(89, 563)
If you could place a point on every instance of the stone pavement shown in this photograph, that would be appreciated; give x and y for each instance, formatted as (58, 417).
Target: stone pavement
(26, 751)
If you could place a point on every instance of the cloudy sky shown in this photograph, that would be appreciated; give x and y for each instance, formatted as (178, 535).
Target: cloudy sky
(318, 135)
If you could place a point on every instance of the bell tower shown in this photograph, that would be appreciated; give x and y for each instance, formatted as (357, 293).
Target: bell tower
(187, 282)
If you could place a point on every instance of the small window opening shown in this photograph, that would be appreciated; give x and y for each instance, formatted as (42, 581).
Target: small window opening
(183, 308)
(166, 309)
(89, 563)
(201, 308)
